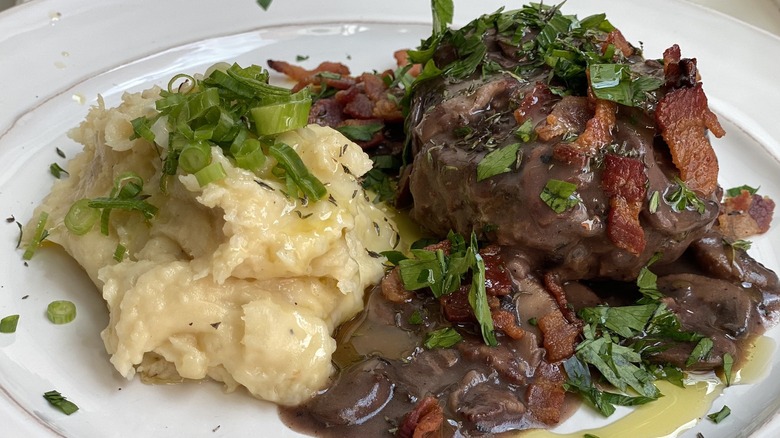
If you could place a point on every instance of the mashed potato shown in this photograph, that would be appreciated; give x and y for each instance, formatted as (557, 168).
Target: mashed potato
(234, 280)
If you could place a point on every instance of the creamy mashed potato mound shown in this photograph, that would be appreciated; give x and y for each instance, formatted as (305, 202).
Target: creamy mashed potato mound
(232, 281)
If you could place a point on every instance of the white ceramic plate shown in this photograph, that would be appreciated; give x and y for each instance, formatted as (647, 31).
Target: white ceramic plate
(57, 55)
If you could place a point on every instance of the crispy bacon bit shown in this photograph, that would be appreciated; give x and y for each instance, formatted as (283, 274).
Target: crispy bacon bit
(497, 281)
(568, 116)
(300, 74)
(683, 117)
(546, 394)
(402, 59)
(507, 322)
(679, 72)
(617, 39)
(533, 102)
(598, 130)
(455, 306)
(624, 181)
(424, 421)
(554, 287)
(745, 215)
(560, 336)
(393, 288)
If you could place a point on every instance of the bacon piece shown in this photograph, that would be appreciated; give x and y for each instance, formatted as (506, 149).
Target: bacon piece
(393, 288)
(424, 421)
(300, 74)
(552, 283)
(497, 281)
(326, 112)
(507, 322)
(568, 116)
(679, 72)
(533, 102)
(683, 117)
(745, 215)
(546, 394)
(559, 336)
(455, 306)
(624, 181)
(598, 130)
(402, 59)
(617, 39)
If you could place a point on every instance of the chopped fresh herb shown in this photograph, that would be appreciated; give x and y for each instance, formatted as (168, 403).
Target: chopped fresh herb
(533, 321)
(9, 323)
(296, 172)
(60, 402)
(394, 257)
(617, 83)
(721, 415)
(442, 338)
(60, 153)
(360, 132)
(57, 170)
(301, 58)
(416, 318)
(61, 311)
(499, 161)
(655, 200)
(700, 352)
(728, 364)
(646, 281)
(741, 244)
(590, 435)
(684, 198)
(579, 381)
(560, 195)
(81, 217)
(736, 191)
(443, 274)
(119, 252)
(442, 11)
(526, 132)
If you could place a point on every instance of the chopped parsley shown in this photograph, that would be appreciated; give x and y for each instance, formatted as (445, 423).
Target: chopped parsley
(560, 195)
(360, 132)
(736, 191)
(728, 365)
(655, 200)
(443, 274)
(499, 161)
(57, 170)
(442, 338)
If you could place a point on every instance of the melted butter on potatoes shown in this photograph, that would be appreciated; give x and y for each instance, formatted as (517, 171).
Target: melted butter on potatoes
(234, 280)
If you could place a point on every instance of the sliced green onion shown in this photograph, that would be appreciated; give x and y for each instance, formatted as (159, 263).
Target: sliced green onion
(81, 217)
(211, 173)
(284, 116)
(127, 185)
(61, 312)
(249, 155)
(38, 236)
(148, 210)
(9, 323)
(119, 252)
(294, 168)
(195, 156)
(57, 400)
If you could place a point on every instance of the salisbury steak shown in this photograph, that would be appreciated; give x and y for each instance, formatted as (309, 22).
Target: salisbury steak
(590, 184)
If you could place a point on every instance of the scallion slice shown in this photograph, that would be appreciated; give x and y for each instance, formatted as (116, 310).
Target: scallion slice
(211, 173)
(283, 116)
(195, 156)
(38, 236)
(60, 402)
(61, 311)
(81, 217)
(9, 323)
(294, 169)
(249, 154)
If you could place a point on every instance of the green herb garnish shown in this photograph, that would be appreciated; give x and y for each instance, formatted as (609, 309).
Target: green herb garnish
(360, 132)
(499, 161)
(442, 338)
(728, 364)
(415, 318)
(9, 323)
(57, 170)
(60, 402)
(736, 191)
(39, 235)
(655, 200)
(700, 352)
(684, 198)
(560, 195)
(617, 83)
(721, 415)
